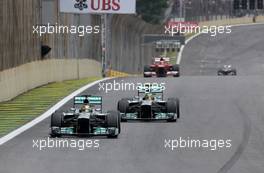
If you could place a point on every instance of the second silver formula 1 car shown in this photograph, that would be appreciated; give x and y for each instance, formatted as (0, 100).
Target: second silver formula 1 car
(150, 106)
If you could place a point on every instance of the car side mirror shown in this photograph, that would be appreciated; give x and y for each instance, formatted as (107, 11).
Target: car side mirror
(158, 97)
(98, 109)
(137, 97)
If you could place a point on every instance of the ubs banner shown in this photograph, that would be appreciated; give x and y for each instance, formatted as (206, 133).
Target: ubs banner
(98, 6)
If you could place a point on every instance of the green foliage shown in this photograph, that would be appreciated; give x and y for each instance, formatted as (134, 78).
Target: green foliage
(151, 10)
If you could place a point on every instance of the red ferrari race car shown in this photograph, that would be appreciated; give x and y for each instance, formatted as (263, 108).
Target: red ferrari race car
(161, 67)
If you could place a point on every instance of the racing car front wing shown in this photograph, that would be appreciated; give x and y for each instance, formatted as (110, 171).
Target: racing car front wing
(169, 73)
(97, 131)
(157, 116)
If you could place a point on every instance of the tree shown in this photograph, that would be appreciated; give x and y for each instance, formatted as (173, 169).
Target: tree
(151, 11)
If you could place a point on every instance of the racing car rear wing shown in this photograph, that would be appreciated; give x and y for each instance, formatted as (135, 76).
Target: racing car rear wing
(93, 100)
(150, 89)
(157, 59)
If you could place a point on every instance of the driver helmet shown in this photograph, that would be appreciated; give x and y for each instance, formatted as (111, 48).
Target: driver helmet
(86, 106)
(148, 96)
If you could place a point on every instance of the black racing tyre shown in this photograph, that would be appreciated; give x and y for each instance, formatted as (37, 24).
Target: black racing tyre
(234, 72)
(119, 123)
(114, 120)
(123, 120)
(173, 106)
(122, 105)
(147, 68)
(56, 121)
(178, 108)
(176, 67)
(76, 5)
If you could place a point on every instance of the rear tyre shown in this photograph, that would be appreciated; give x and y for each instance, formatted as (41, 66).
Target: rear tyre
(123, 105)
(113, 120)
(56, 121)
(176, 68)
(123, 120)
(76, 6)
(147, 68)
(173, 106)
(234, 73)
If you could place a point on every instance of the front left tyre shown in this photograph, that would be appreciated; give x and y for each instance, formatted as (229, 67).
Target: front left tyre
(114, 121)
(173, 106)
(55, 124)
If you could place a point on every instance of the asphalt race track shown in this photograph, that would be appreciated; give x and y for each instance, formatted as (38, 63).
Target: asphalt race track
(243, 49)
(211, 108)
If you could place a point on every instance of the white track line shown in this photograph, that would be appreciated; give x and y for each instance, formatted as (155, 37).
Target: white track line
(192, 37)
(45, 115)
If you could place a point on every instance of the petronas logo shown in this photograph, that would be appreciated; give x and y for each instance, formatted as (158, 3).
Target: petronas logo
(81, 4)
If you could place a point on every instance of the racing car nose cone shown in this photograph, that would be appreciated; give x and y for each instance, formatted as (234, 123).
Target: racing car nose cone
(84, 115)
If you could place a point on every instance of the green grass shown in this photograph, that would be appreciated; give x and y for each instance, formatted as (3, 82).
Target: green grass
(31, 104)
(172, 56)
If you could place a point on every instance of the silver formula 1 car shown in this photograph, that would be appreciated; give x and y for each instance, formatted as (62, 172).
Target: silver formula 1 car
(150, 106)
(86, 119)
